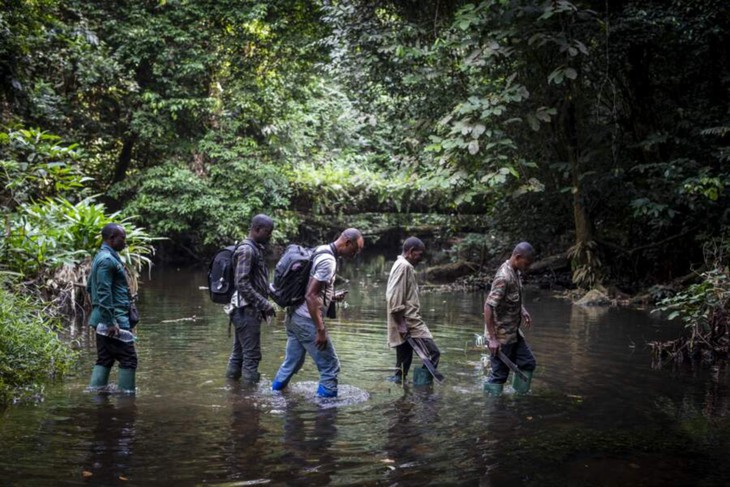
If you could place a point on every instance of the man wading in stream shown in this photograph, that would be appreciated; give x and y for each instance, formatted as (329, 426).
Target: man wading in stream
(503, 315)
(249, 304)
(404, 315)
(305, 330)
(110, 307)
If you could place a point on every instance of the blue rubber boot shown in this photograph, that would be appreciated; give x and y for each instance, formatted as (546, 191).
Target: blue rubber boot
(277, 386)
(395, 378)
(322, 392)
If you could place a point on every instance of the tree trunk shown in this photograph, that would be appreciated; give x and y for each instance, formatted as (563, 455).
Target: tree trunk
(581, 219)
(586, 272)
(124, 160)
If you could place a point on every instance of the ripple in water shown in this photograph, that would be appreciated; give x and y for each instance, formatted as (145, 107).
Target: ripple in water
(347, 395)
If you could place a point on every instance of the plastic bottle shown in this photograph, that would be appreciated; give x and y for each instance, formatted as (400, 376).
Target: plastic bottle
(124, 335)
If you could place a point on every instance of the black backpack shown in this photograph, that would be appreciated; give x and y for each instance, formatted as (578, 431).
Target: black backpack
(222, 274)
(291, 275)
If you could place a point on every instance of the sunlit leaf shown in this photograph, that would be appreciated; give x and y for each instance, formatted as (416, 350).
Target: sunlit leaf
(473, 147)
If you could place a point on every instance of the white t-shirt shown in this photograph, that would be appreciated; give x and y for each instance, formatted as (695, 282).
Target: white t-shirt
(324, 268)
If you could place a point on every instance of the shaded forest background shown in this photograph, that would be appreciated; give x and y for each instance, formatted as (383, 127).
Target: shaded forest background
(593, 128)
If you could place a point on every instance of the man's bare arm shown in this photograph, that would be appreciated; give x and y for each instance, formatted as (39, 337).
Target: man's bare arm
(315, 304)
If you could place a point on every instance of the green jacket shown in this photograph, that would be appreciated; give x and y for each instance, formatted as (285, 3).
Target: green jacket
(108, 289)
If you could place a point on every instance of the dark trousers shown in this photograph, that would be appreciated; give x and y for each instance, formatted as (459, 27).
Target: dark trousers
(246, 353)
(404, 354)
(109, 349)
(519, 352)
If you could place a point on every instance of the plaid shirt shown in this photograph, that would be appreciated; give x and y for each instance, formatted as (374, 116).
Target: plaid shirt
(252, 275)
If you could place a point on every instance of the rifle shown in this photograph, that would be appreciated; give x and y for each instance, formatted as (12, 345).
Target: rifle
(425, 359)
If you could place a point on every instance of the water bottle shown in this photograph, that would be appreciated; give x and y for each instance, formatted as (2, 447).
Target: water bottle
(124, 335)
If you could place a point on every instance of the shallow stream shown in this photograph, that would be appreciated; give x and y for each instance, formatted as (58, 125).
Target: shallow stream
(599, 414)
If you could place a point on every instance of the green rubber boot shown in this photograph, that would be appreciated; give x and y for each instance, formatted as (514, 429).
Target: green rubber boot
(422, 377)
(99, 376)
(522, 386)
(493, 389)
(126, 380)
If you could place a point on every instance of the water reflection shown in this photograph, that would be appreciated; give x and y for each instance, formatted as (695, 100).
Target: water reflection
(245, 436)
(410, 423)
(111, 450)
(308, 438)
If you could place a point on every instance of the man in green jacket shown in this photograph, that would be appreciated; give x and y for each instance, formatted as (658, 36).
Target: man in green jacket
(111, 299)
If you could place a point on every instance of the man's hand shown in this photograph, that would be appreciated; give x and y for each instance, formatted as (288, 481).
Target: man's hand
(489, 330)
(402, 327)
(269, 312)
(112, 331)
(321, 341)
(340, 295)
(526, 319)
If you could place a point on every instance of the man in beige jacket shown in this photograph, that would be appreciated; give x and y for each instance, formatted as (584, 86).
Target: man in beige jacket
(404, 315)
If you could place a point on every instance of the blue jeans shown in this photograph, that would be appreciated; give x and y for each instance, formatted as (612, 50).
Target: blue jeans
(301, 335)
(519, 352)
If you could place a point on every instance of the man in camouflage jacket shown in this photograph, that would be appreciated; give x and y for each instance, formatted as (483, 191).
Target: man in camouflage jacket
(503, 316)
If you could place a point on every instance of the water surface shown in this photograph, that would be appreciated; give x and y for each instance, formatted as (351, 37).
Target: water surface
(599, 414)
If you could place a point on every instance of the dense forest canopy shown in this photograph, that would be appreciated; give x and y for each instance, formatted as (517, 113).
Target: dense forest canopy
(599, 128)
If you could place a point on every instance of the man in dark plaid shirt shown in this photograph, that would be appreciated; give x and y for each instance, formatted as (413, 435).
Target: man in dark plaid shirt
(249, 303)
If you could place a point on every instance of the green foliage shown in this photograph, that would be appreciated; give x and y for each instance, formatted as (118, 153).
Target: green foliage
(709, 299)
(35, 166)
(207, 210)
(695, 305)
(474, 247)
(45, 235)
(586, 264)
(544, 106)
(595, 122)
(348, 186)
(44, 228)
(31, 351)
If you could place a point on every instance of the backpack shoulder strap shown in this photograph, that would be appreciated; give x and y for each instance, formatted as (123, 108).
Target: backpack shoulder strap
(329, 250)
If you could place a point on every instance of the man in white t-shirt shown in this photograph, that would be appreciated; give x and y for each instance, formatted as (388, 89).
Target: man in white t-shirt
(305, 328)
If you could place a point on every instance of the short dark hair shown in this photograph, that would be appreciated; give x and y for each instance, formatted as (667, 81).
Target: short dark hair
(352, 234)
(262, 220)
(524, 249)
(110, 230)
(413, 243)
